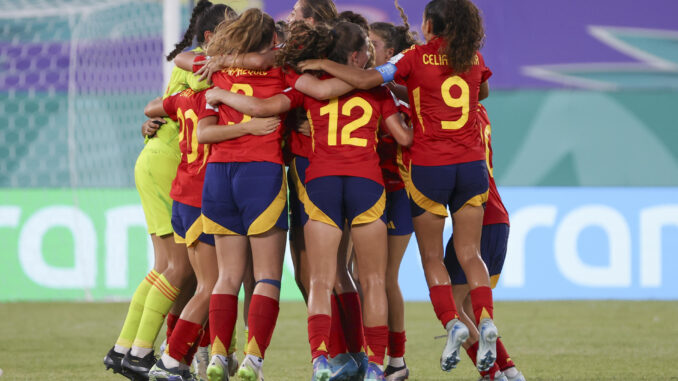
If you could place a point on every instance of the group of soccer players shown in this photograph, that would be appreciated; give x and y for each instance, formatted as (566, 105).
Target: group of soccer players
(381, 136)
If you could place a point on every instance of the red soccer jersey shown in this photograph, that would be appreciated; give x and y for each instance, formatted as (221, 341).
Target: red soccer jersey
(495, 212)
(188, 107)
(299, 144)
(248, 148)
(444, 127)
(344, 132)
(387, 147)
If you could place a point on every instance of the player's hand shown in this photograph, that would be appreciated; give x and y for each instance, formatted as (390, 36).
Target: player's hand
(311, 65)
(304, 128)
(210, 66)
(215, 95)
(151, 126)
(263, 126)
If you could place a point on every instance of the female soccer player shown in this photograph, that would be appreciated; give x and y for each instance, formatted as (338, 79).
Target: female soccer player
(494, 241)
(189, 107)
(445, 79)
(343, 182)
(389, 40)
(245, 201)
(154, 172)
(347, 326)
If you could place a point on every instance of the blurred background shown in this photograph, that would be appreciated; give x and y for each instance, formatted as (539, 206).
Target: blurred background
(583, 103)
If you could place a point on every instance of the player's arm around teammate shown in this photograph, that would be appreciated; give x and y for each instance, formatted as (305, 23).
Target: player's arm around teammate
(244, 199)
(444, 79)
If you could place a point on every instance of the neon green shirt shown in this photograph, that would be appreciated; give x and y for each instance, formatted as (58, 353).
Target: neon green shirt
(167, 136)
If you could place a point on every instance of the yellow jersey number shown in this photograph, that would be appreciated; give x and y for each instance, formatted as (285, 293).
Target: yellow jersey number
(192, 140)
(247, 90)
(332, 109)
(462, 102)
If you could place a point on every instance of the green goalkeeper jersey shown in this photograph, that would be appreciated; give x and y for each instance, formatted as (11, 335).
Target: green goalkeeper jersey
(167, 136)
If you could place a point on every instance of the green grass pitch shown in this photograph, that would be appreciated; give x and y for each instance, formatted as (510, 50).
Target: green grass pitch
(549, 341)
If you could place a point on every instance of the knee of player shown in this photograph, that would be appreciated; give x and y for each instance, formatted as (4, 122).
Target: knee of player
(229, 282)
(321, 283)
(373, 281)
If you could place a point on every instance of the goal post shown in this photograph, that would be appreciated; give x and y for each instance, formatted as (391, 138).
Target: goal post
(171, 21)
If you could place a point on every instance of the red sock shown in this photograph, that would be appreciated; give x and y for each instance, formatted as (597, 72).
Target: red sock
(171, 323)
(223, 316)
(503, 359)
(337, 338)
(183, 337)
(472, 352)
(188, 359)
(396, 344)
(352, 321)
(377, 340)
(443, 303)
(205, 341)
(481, 298)
(319, 327)
(261, 321)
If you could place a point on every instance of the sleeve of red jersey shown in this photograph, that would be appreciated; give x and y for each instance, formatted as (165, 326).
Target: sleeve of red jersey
(170, 106)
(387, 103)
(403, 63)
(198, 58)
(296, 97)
(291, 77)
(486, 73)
(205, 109)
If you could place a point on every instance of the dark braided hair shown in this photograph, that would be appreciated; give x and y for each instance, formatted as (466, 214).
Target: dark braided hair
(307, 42)
(190, 31)
(459, 24)
(209, 20)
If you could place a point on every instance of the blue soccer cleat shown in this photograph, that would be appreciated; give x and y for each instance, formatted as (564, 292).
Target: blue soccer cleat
(487, 345)
(343, 367)
(321, 369)
(457, 333)
(374, 373)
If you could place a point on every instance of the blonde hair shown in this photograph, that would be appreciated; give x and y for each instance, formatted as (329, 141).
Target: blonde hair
(252, 31)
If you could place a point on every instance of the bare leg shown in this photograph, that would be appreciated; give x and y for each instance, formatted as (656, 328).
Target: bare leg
(429, 231)
(160, 257)
(322, 242)
(397, 244)
(204, 261)
(468, 228)
(370, 244)
(299, 260)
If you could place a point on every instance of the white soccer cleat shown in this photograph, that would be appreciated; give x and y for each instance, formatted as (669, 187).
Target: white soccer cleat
(487, 345)
(251, 369)
(218, 369)
(457, 333)
(518, 377)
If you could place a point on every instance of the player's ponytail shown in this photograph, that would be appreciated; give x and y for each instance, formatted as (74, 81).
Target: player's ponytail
(252, 31)
(190, 31)
(459, 24)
